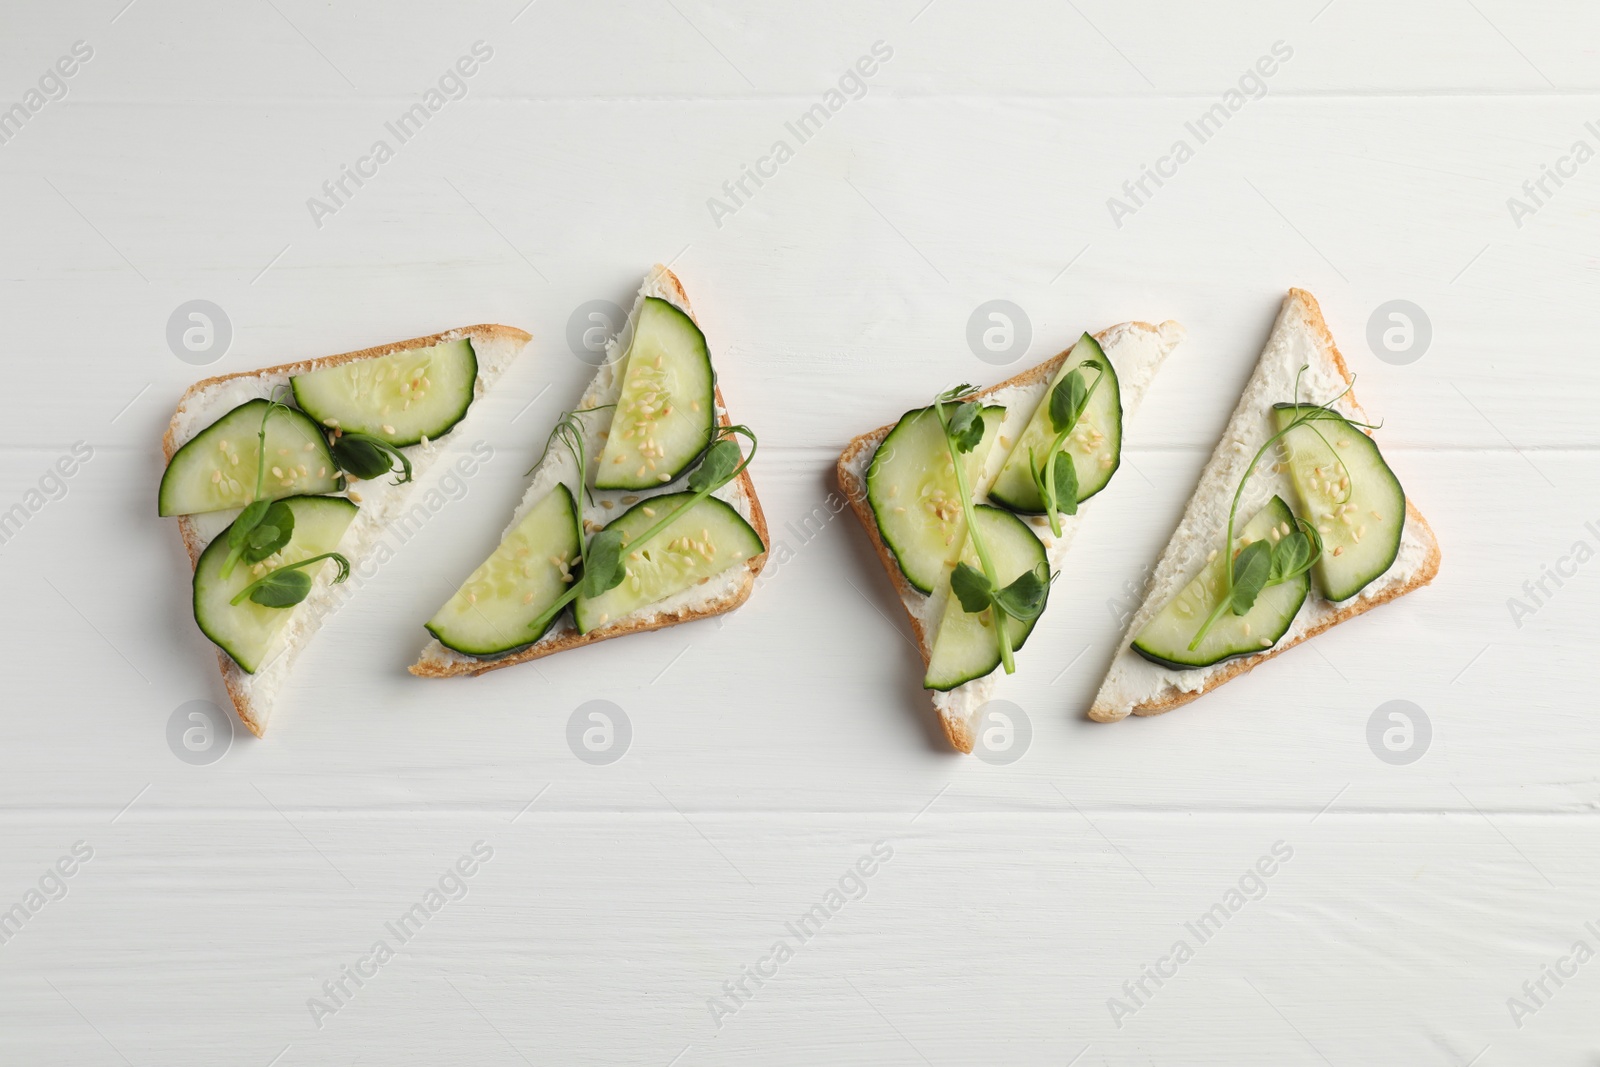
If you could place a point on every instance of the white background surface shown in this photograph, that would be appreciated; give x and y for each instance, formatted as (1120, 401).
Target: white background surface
(769, 752)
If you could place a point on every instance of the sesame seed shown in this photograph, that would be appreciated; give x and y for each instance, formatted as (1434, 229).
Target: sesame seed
(310, 447)
(630, 500)
(355, 496)
(277, 472)
(387, 428)
(663, 477)
(1266, 642)
(608, 505)
(1338, 550)
(331, 422)
(528, 599)
(603, 618)
(640, 472)
(649, 511)
(694, 405)
(472, 598)
(322, 472)
(216, 476)
(233, 458)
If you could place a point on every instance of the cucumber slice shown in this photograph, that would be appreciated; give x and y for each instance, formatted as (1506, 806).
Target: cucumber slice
(1361, 519)
(667, 405)
(911, 485)
(1165, 639)
(247, 631)
(1095, 444)
(216, 469)
(492, 611)
(706, 540)
(966, 646)
(399, 398)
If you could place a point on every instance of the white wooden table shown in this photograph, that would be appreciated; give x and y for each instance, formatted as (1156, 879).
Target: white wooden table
(771, 751)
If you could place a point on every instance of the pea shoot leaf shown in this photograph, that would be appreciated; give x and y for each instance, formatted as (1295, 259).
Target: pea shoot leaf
(275, 531)
(966, 427)
(721, 460)
(1067, 399)
(281, 588)
(369, 457)
(1290, 557)
(1066, 485)
(1025, 597)
(602, 562)
(971, 587)
(286, 586)
(1251, 568)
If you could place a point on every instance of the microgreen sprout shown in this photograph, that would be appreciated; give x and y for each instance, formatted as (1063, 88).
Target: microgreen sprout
(980, 590)
(1261, 565)
(603, 567)
(1055, 479)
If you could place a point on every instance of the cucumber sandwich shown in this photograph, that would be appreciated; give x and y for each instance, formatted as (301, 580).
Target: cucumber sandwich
(282, 479)
(973, 501)
(1298, 524)
(641, 513)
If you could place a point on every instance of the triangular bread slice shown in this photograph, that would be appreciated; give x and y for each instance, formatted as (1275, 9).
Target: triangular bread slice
(1299, 337)
(380, 501)
(719, 595)
(1136, 350)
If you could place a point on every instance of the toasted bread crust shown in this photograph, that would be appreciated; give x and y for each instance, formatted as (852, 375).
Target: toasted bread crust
(1428, 571)
(722, 605)
(232, 674)
(958, 732)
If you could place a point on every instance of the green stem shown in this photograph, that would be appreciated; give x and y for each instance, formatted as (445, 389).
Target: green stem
(555, 609)
(1007, 660)
(1227, 558)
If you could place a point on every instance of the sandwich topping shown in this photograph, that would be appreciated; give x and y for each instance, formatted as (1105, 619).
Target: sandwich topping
(1347, 532)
